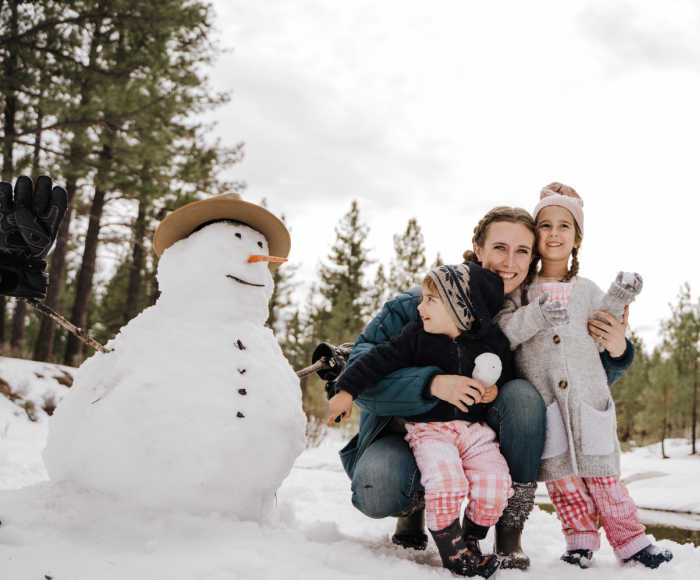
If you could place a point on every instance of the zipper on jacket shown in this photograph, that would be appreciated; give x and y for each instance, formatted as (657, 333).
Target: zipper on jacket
(459, 356)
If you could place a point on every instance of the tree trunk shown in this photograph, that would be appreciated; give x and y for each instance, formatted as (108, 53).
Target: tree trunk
(694, 410)
(74, 347)
(18, 321)
(133, 296)
(43, 347)
(20, 315)
(663, 437)
(8, 169)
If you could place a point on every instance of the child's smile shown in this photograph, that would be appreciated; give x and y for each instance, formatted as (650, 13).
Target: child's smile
(556, 234)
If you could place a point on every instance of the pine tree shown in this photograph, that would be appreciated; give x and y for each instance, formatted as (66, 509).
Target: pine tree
(682, 343)
(626, 392)
(658, 397)
(438, 262)
(343, 286)
(379, 292)
(408, 266)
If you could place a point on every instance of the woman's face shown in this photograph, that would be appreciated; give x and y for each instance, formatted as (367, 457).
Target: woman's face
(507, 251)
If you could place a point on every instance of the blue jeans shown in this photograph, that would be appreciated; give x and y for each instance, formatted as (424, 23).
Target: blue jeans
(386, 480)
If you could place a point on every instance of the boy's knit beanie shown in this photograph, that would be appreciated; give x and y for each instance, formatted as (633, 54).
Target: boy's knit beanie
(469, 293)
(559, 194)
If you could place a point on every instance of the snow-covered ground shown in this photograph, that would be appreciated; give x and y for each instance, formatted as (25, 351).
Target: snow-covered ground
(64, 533)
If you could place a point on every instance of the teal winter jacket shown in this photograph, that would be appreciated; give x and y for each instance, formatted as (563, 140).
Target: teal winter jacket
(401, 392)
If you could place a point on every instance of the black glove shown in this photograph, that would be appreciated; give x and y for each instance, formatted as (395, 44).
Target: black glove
(28, 226)
(336, 357)
(38, 213)
(22, 278)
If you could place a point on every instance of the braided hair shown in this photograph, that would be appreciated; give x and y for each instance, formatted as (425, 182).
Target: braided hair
(571, 272)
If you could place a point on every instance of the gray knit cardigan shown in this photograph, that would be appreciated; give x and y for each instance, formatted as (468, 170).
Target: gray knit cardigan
(564, 365)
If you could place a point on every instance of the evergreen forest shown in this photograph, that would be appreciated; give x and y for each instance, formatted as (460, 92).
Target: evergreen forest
(107, 98)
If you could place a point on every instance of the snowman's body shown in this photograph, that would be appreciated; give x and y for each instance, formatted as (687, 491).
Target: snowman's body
(196, 408)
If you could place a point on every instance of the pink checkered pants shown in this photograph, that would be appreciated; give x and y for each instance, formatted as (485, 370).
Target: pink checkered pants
(459, 460)
(581, 501)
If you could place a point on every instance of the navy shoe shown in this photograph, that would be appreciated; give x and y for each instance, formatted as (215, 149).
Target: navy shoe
(652, 556)
(581, 558)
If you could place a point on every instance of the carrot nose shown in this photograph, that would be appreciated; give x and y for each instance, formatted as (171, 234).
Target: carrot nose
(262, 258)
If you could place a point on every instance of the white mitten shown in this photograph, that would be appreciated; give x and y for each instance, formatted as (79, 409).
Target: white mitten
(487, 368)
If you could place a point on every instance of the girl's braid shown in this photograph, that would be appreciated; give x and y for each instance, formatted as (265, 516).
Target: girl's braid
(573, 270)
(531, 273)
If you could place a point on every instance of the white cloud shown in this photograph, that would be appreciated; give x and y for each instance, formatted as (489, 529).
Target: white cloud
(443, 111)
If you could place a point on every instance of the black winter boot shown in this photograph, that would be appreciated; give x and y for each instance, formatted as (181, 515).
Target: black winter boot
(509, 528)
(581, 558)
(652, 556)
(462, 555)
(410, 531)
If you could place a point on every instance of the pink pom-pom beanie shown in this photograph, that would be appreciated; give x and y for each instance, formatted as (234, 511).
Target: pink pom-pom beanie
(559, 194)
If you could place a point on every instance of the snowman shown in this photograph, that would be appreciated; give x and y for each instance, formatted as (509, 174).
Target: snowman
(195, 407)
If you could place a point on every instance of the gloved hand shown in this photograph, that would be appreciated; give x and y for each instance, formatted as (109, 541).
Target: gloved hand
(554, 312)
(38, 212)
(22, 278)
(29, 223)
(336, 357)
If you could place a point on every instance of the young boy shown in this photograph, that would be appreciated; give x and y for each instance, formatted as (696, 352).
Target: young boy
(457, 454)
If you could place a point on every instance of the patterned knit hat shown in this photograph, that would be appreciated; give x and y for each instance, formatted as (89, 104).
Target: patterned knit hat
(469, 293)
(562, 195)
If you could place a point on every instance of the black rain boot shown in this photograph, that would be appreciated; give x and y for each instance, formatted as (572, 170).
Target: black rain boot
(652, 556)
(509, 528)
(410, 531)
(462, 555)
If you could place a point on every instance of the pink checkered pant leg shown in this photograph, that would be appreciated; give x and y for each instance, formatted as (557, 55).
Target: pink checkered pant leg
(576, 511)
(618, 515)
(581, 501)
(459, 460)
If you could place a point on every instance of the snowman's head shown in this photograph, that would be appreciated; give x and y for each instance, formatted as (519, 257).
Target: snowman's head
(212, 270)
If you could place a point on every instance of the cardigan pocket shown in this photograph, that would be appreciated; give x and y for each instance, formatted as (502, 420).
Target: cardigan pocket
(598, 429)
(557, 441)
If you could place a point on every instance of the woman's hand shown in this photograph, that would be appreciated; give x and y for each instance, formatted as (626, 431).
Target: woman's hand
(490, 394)
(462, 392)
(610, 332)
(341, 406)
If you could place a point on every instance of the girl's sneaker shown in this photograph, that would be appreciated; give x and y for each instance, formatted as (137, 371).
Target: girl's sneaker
(580, 558)
(652, 556)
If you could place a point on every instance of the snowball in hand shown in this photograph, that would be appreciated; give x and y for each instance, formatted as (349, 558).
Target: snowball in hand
(487, 368)
(195, 408)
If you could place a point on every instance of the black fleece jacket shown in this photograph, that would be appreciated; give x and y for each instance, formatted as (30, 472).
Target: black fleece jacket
(413, 346)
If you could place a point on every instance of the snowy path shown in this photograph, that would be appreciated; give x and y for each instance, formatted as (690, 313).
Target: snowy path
(54, 531)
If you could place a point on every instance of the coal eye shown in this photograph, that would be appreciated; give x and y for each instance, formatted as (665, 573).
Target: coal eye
(238, 235)
(259, 244)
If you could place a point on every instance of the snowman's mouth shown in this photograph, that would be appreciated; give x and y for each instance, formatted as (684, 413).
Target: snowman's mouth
(244, 282)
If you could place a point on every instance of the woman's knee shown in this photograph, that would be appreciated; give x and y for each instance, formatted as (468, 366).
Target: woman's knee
(520, 405)
(386, 480)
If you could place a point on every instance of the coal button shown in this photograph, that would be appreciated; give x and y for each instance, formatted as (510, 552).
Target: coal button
(563, 384)
(556, 339)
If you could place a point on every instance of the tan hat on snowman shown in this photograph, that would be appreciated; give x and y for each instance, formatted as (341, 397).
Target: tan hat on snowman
(181, 222)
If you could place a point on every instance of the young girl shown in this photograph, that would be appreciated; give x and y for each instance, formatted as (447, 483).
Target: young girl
(546, 326)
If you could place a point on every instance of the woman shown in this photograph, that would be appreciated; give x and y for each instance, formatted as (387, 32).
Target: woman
(385, 478)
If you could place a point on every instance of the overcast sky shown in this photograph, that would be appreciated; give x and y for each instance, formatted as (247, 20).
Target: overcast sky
(441, 110)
